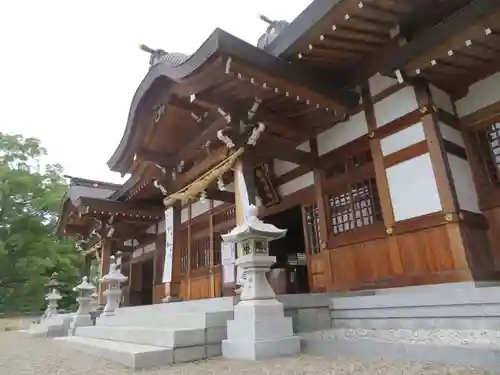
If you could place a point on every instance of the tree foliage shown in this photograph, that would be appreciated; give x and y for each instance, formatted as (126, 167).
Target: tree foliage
(30, 198)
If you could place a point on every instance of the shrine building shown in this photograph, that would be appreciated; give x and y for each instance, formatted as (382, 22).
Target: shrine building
(370, 130)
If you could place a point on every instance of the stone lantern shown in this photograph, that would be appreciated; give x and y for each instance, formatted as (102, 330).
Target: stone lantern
(53, 283)
(112, 280)
(259, 329)
(82, 317)
(52, 299)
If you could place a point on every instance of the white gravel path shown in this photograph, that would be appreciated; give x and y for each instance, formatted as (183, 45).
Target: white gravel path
(470, 337)
(23, 355)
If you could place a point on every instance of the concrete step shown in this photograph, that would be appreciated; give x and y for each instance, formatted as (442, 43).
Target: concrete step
(203, 305)
(459, 309)
(168, 338)
(161, 320)
(456, 347)
(130, 355)
(138, 356)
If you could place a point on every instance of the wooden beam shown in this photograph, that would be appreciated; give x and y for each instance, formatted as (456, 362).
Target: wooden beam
(217, 122)
(275, 147)
(115, 207)
(183, 179)
(162, 159)
(223, 196)
(285, 126)
(440, 33)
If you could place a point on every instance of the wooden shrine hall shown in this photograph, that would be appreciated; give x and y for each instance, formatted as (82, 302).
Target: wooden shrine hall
(369, 129)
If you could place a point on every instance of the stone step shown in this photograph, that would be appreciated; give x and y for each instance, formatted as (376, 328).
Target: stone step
(203, 305)
(134, 356)
(158, 319)
(463, 347)
(472, 309)
(169, 338)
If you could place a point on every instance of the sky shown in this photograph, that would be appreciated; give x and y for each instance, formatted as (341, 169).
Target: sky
(69, 69)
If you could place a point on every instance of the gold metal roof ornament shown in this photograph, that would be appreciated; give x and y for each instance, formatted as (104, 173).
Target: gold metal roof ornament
(201, 183)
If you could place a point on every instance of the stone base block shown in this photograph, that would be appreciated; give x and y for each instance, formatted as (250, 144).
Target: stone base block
(47, 330)
(169, 299)
(257, 350)
(80, 321)
(134, 356)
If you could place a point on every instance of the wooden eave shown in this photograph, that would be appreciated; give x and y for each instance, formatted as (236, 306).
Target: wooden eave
(108, 208)
(457, 52)
(66, 209)
(221, 58)
(350, 40)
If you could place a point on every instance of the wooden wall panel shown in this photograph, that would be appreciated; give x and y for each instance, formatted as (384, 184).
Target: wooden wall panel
(217, 283)
(493, 234)
(319, 272)
(184, 289)
(200, 287)
(424, 256)
(158, 293)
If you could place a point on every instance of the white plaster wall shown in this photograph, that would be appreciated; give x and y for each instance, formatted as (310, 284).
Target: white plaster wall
(280, 167)
(379, 83)
(218, 203)
(442, 99)
(149, 248)
(413, 188)
(342, 133)
(138, 252)
(481, 94)
(402, 139)
(395, 106)
(161, 226)
(152, 229)
(296, 184)
(184, 215)
(451, 134)
(464, 184)
(198, 208)
(306, 146)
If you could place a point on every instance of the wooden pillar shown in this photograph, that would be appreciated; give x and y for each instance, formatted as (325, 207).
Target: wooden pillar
(466, 242)
(381, 180)
(189, 253)
(87, 261)
(440, 163)
(212, 249)
(105, 255)
(156, 260)
(319, 199)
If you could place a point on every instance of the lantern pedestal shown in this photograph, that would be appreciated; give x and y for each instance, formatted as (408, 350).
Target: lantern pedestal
(53, 325)
(259, 329)
(82, 317)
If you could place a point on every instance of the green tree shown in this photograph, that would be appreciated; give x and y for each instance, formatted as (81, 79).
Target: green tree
(30, 252)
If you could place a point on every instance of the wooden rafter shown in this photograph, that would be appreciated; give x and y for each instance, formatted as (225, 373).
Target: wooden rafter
(440, 33)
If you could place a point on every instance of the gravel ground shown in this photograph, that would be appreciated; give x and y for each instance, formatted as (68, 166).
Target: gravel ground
(23, 355)
(478, 338)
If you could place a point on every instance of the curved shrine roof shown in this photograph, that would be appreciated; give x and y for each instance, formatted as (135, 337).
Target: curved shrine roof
(224, 55)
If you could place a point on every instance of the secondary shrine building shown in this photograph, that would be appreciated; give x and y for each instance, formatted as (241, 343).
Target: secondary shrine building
(369, 129)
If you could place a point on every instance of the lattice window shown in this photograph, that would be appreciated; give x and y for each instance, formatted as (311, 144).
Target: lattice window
(313, 228)
(183, 238)
(487, 142)
(184, 259)
(200, 253)
(350, 163)
(217, 248)
(358, 206)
